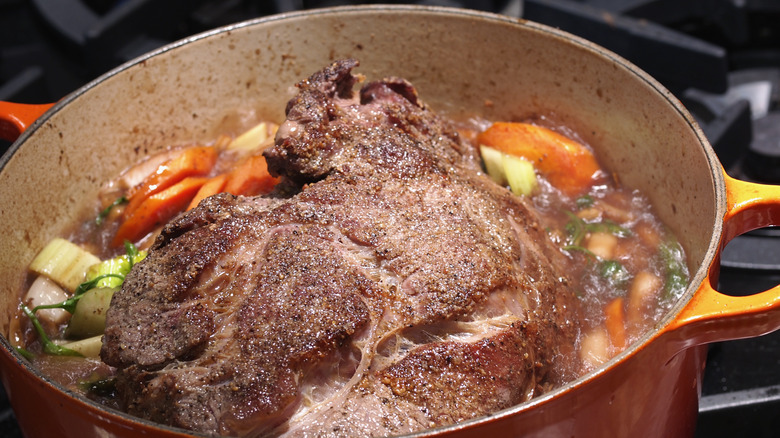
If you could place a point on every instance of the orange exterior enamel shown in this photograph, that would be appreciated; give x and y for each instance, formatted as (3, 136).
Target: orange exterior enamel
(711, 316)
(15, 118)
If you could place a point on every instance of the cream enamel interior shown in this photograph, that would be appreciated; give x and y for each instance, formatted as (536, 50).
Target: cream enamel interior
(462, 63)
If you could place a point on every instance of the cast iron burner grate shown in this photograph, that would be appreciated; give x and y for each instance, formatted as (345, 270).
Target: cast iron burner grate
(721, 58)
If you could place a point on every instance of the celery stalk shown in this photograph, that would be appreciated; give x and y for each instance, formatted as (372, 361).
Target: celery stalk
(493, 159)
(251, 139)
(89, 317)
(509, 169)
(89, 347)
(117, 267)
(520, 175)
(64, 262)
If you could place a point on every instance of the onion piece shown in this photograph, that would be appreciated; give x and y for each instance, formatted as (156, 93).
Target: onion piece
(594, 348)
(138, 173)
(44, 291)
(602, 244)
(641, 294)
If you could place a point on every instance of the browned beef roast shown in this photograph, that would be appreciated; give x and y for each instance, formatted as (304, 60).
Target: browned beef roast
(398, 289)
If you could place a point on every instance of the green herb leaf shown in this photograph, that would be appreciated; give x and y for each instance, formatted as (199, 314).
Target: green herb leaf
(101, 386)
(676, 280)
(614, 272)
(582, 249)
(584, 201)
(49, 347)
(93, 283)
(577, 228)
(27, 354)
(70, 304)
(106, 211)
(119, 266)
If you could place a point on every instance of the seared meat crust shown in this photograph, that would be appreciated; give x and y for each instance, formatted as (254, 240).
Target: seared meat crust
(399, 289)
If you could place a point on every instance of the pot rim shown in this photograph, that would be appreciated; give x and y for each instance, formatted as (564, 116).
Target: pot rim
(701, 274)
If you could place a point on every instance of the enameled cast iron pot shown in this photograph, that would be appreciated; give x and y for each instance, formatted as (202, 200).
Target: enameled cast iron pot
(462, 63)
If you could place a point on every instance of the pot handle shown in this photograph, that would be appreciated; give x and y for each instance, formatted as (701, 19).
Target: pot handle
(15, 118)
(711, 316)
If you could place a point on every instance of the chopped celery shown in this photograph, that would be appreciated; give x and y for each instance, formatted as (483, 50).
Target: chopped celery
(251, 139)
(493, 160)
(509, 169)
(520, 175)
(50, 347)
(64, 262)
(89, 347)
(89, 318)
(117, 267)
(70, 303)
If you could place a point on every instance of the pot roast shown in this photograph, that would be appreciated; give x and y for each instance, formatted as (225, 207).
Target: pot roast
(388, 287)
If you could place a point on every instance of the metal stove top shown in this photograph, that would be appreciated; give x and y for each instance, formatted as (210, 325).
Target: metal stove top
(721, 58)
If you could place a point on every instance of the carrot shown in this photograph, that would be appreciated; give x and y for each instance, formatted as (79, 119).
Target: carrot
(567, 164)
(180, 183)
(615, 322)
(194, 161)
(157, 209)
(250, 178)
(213, 186)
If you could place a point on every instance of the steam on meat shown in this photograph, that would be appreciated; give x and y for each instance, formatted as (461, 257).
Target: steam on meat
(397, 290)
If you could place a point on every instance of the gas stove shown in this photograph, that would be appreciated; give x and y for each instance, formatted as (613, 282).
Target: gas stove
(721, 58)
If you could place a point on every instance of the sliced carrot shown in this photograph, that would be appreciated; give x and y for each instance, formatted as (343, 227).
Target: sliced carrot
(158, 209)
(193, 161)
(567, 164)
(180, 184)
(616, 323)
(250, 178)
(213, 186)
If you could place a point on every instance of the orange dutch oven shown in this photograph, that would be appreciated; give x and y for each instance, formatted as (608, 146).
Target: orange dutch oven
(463, 63)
